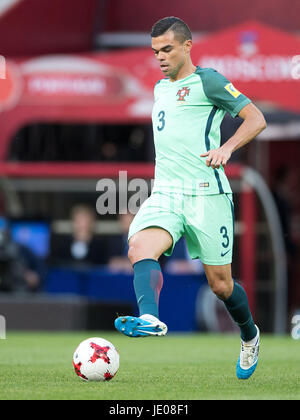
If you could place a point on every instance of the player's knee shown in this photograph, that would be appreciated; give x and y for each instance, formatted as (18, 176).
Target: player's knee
(138, 251)
(220, 280)
(220, 289)
(132, 254)
(220, 285)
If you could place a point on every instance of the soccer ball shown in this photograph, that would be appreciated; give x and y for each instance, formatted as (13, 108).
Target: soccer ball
(96, 359)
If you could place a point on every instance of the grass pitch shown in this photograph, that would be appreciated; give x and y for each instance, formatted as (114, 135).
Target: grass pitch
(38, 365)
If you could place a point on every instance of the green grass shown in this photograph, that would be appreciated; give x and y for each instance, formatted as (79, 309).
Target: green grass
(176, 367)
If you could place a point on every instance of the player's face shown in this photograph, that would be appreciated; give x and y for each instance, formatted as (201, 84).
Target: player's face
(170, 53)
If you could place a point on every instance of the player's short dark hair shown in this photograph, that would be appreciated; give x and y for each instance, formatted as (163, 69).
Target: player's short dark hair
(181, 30)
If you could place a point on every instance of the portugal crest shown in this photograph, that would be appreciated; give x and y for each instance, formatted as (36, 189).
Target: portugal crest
(182, 93)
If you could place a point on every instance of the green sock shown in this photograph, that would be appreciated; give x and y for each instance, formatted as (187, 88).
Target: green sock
(238, 307)
(147, 281)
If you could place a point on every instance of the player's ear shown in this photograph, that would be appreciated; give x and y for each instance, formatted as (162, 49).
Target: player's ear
(188, 45)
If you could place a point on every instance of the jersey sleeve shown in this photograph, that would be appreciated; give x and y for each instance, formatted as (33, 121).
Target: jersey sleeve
(222, 93)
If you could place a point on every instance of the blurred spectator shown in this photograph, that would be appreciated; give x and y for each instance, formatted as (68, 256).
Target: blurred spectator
(180, 262)
(282, 196)
(20, 268)
(119, 261)
(109, 151)
(283, 193)
(82, 247)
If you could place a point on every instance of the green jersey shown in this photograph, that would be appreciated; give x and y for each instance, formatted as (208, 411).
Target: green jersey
(186, 117)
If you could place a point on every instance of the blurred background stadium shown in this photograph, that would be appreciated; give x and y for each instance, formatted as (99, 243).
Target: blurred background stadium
(76, 80)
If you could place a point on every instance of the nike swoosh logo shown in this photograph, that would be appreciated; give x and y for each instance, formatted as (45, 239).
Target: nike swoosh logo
(140, 299)
(224, 253)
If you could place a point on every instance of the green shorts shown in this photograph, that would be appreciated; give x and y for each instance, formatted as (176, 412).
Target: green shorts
(205, 221)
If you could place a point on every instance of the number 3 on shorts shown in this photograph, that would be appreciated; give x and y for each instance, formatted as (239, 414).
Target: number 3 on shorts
(224, 233)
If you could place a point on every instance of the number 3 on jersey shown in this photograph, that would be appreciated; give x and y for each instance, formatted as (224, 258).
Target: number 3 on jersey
(161, 119)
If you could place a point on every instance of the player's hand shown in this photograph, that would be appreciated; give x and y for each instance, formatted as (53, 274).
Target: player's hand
(217, 157)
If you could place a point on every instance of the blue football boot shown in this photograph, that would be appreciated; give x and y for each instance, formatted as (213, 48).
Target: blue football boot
(143, 326)
(248, 359)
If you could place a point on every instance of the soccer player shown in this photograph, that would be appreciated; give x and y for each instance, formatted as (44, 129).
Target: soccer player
(191, 195)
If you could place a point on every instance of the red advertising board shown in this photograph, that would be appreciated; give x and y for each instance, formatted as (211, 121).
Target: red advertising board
(263, 62)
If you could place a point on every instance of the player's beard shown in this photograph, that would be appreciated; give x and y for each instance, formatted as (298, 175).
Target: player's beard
(173, 71)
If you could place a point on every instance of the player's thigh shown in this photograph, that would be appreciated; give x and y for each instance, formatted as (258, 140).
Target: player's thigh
(209, 230)
(150, 242)
(155, 229)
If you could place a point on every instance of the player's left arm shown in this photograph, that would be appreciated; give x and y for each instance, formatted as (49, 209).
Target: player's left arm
(253, 124)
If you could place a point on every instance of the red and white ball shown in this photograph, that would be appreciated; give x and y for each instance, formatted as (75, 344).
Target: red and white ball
(96, 359)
